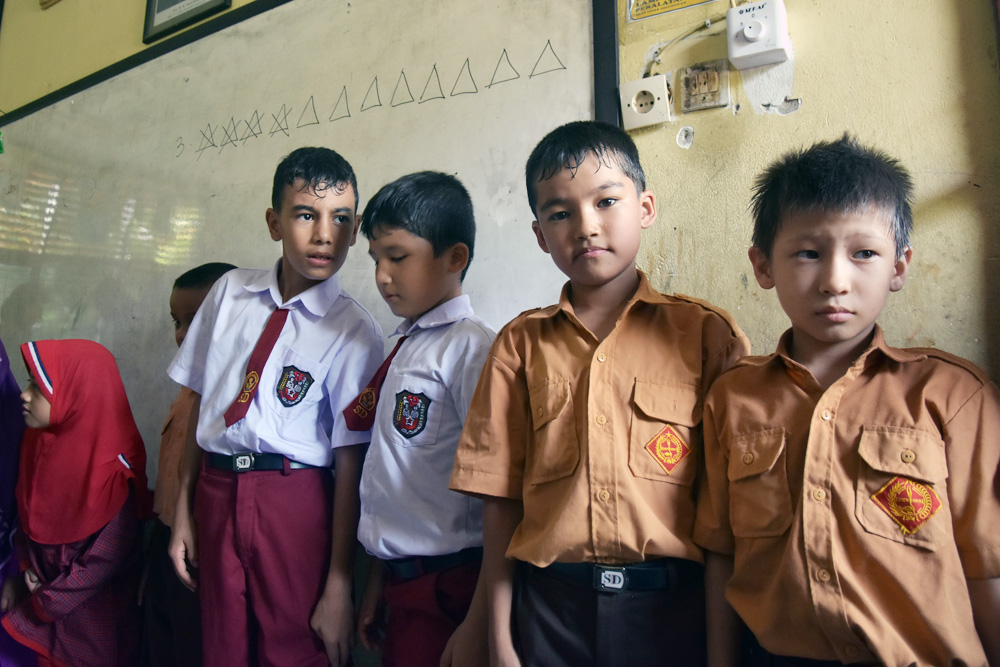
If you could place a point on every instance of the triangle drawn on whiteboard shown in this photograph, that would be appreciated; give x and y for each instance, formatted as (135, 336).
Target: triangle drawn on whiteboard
(280, 121)
(432, 89)
(464, 84)
(547, 62)
(504, 71)
(372, 99)
(401, 94)
(341, 109)
(308, 115)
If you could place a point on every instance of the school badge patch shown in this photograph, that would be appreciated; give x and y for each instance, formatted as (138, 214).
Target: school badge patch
(293, 385)
(907, 502)
(410, 415)
(668, 448)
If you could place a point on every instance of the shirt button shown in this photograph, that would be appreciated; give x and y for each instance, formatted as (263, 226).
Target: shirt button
(823, 575)
(819, 494)
(604, 495)
(540, 411)
(601, 420)
(602, 357)
(748, 458)
(851, 651)
(826, 415)
(908, 456)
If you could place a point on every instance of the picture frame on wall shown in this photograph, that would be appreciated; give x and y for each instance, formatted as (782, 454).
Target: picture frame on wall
(166, 16)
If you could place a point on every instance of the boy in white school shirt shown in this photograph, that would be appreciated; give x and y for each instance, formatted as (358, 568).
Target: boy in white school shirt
(427, 539)
(274, 356)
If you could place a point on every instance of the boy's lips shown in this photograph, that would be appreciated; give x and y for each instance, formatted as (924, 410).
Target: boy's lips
(319, 260)
(835, 314)
(589, 251)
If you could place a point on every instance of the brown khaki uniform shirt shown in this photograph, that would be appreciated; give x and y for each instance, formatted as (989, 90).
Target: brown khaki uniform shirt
(856, 514)
(172, 440)
(600, 440)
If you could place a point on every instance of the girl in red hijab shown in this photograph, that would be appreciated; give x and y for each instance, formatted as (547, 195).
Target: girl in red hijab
(80, 493)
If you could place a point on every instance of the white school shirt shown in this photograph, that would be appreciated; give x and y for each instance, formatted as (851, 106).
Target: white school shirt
(328, 349)
(407, 508)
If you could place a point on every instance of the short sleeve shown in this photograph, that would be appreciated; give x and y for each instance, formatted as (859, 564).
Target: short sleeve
(973, 452)
(188, 366)
(491, 452)
(712, 529)
(350, 370)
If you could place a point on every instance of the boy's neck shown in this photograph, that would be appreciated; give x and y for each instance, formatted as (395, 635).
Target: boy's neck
(291, 284)
(828, 362)
(599, 307)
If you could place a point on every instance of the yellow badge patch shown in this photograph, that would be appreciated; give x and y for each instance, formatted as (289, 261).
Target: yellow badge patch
(668, 448)
(907, 502)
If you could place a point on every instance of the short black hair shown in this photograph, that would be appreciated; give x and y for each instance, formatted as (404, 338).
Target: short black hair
(842, 176)
(429, 204)
(320, 168)
(566, 147)
(202, 276)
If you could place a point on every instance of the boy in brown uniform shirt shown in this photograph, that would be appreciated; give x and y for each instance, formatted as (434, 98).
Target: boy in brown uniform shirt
(584, 434)
(857, 498)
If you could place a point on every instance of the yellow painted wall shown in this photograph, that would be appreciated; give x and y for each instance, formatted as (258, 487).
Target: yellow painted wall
(920, 80)
(42, 50)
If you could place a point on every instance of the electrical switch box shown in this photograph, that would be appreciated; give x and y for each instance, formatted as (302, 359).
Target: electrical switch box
(704, 86)
(646, 101)
(758, 34)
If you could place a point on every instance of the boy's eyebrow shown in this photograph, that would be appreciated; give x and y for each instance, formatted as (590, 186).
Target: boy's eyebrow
(558, 201)
(343, 210)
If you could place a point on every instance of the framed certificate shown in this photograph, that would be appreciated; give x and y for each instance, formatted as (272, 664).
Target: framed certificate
(166, 16)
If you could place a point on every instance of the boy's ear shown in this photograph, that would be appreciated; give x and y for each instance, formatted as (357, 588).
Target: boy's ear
(273, 224)
(761, 267)
(647, 208)
(357, 226)
(902, 270)
(458, 258)
(535, 227)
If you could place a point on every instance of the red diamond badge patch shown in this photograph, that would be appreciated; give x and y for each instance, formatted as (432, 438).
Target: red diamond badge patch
(907, 502)
(668, 448)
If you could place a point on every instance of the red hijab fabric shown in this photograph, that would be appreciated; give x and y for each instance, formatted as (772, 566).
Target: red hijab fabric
(75, 473)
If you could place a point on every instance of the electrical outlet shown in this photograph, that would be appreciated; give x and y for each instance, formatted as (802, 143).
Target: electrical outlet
(704, 86)
(646, 101)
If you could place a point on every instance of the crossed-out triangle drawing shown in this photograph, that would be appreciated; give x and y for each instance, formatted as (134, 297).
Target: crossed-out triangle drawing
(401, 94)
(253, 127)
(504, 71)
(547, 62)
(230, 135)
(372, 99)
(341, 109)
(280, 121)
(308, 115)
(207, 139)
(432, 89)
(464, 84)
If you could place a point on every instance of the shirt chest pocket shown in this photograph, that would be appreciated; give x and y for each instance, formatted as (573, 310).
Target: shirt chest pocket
(414, 410)
(297, 386)
(555, 449)
(664, 436)
(760, 501)
(901, 492)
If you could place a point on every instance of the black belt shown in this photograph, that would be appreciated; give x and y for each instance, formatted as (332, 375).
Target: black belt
(250, 461)
(418, 566)
(661, 574)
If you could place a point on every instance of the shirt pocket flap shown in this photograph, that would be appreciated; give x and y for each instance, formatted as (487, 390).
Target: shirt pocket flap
(755, 453)
(672, 404)
(904, 451)
(547, 401)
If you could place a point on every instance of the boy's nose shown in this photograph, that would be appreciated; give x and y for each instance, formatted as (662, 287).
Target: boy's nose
(588, 225)
(834, 279)
(323, 230)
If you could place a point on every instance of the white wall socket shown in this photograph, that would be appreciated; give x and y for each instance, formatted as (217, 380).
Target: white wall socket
(646, 101)
(758, 34)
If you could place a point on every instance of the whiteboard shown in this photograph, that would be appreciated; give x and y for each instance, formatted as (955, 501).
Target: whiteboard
(109, 194)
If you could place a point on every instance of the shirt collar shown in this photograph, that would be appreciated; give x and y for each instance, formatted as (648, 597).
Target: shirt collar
(452, 310)
(318, 299)
(644, 293)
(878, 345)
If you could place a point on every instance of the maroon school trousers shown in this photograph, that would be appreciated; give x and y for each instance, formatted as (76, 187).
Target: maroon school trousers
(263, 553)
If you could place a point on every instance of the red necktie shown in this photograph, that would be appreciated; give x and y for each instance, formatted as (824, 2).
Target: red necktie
(360, 414)
(238, 410)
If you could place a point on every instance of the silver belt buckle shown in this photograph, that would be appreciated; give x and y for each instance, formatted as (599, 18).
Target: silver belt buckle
(243, 462)
(612, 579)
